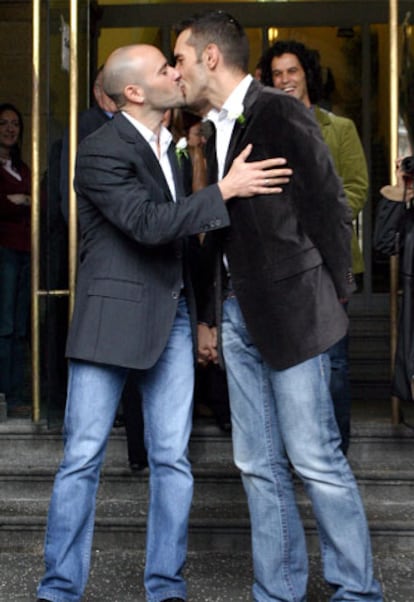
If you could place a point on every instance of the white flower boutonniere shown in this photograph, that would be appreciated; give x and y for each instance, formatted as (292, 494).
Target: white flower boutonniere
(237, 115)
(181, 149)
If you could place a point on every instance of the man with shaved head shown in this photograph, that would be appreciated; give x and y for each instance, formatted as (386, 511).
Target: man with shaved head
(134, 311)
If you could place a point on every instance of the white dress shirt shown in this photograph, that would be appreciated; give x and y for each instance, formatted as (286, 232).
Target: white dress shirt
(7, 166)
(225, 119)
(160, 147)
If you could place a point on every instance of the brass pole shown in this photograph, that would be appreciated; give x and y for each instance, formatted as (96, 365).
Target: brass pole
(73, 143)
(35, 210)
(393, 91)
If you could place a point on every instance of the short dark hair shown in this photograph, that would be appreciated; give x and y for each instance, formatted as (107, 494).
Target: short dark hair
(15, 151)
(308, 58)
(220, 28)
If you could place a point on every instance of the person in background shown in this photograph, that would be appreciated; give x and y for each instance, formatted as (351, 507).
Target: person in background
(15, 198)
(394, 235)
(186, 130)
(89, 120)
(288, 261)
(211, 396)
(295, 69)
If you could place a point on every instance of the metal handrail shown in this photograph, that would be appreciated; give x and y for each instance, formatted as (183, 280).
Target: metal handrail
(393, 96)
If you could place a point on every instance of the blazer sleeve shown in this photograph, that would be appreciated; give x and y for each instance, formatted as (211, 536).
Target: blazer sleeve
(126, 189)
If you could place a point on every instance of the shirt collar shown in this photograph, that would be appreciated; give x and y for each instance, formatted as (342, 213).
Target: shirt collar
(149, 135)
(234, 104)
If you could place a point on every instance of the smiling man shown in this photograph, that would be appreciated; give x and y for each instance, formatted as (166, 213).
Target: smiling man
(288, 266)
(290, 66)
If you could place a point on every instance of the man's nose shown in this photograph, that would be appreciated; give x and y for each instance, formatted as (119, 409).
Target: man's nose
(176, 74)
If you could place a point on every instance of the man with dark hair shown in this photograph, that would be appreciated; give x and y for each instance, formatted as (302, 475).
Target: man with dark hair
(309, 61)
(289, 265)
(295, 69)
(132, 311)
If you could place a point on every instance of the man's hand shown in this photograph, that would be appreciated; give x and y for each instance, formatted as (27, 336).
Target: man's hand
(254, 178)
(207, 344)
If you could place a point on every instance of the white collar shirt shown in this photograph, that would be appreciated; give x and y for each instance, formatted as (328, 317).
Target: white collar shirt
(225, 118)
(224, 121)
(7, 166)
(160, 148)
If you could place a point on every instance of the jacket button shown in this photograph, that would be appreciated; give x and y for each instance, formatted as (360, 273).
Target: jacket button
(175, 295)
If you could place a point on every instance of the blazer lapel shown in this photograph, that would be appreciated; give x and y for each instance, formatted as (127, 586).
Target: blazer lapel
(239, 128)
(154, 167)
(132, 136)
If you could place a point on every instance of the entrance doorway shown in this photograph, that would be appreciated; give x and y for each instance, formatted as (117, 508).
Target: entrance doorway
(352, 38)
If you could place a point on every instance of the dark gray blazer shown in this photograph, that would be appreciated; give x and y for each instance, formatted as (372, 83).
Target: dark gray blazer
(289, 254)
(131, 260)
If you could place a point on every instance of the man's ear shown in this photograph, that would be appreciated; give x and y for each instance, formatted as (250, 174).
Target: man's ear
(211, 56)
(134, 94)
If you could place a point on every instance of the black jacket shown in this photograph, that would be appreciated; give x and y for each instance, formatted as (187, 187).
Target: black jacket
(289, 254)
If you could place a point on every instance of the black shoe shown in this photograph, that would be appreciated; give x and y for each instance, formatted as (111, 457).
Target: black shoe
(174, 600)
(119, 421)
(138, 466)
(224, 424)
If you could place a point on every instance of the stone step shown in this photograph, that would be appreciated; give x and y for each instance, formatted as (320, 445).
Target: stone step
(214, 524)
(381, 456)
(367, 390)
(213, 484)
(219, 518)
(29, 447)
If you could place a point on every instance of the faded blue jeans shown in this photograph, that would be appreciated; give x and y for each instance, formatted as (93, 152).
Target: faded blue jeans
(282, 417)
(93, 396)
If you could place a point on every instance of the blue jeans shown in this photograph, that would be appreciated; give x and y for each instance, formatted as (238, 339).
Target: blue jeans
(14, 320)
(282, 417)
(93, 396)
(341, 387)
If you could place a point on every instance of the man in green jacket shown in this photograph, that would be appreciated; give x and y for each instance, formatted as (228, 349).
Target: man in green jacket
(293, 68)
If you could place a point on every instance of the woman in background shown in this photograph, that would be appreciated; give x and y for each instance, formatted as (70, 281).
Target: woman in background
(15, 191)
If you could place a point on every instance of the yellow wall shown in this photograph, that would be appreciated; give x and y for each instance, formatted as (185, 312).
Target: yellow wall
(114, 38)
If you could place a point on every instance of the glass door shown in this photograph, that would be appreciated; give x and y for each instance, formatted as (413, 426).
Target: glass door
(51, 297)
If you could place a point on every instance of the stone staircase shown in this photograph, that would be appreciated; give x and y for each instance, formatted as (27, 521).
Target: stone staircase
(369, 357)
(381, 455)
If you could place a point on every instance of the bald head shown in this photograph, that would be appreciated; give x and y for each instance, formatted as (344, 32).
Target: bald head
(129, 65)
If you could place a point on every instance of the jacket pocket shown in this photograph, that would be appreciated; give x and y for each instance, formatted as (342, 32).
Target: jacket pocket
(116, 289)
(296, 264)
